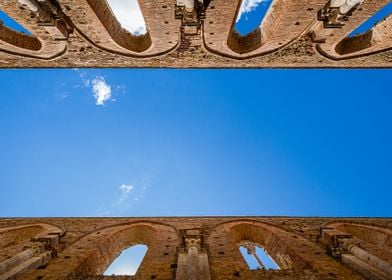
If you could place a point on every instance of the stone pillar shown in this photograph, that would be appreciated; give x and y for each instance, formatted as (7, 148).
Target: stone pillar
(193, 259)
(15, 260)
(189, 5)
(259, 261)
(251, 250)
(337, 3)
(346, 7)
(30, 4)
(193, 264)
(369, 258)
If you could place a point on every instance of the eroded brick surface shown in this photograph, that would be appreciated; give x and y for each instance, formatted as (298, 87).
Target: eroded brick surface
(84, 33)
(304, 248)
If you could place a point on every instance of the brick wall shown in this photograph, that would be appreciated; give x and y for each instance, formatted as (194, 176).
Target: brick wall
(291, 35)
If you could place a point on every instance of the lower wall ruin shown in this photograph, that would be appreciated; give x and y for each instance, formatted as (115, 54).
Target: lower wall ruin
(197, 248)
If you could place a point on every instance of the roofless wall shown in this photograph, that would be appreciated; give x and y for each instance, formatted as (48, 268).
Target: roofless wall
(196, 34)
(204, 248)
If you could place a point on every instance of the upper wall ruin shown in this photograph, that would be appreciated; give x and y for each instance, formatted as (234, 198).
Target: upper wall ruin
(196, 34)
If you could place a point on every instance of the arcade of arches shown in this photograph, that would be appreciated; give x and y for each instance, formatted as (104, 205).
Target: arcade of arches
(196, 34)
(197, 248)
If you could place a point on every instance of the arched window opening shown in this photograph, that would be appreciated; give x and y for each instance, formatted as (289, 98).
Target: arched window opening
(372, 34)
(128, 262)
(9, 22)
(373, 20)
(250, 15)
(129, 15)
(256, 257)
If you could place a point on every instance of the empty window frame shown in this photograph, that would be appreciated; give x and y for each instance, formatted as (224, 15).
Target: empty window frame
(129, 15)
(128, 262)
(9, 22)
(256, 257)
(373, 20)
(250, 15)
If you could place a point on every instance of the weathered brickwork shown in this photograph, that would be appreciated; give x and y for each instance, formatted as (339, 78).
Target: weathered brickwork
(295, 33)
(197, 247)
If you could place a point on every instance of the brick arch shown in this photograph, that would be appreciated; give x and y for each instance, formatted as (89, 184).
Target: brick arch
(92, 254)
(96, 23)
(19, 39)
(26, 247)
(277, 30)
(375, 40)
(10, 236)
(337, 46)
(122, 37)
(374, 239)
(293, 253)
(381, 237)
(41, 45)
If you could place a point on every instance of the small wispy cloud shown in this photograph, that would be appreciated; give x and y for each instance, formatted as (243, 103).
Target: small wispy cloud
(125, 192)
(126, 188)
(101, 90)
(248, 6)
(84, 78)
(126, 196)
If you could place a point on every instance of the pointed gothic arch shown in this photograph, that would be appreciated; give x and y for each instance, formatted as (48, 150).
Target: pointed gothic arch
(92, 254)
(290, 251)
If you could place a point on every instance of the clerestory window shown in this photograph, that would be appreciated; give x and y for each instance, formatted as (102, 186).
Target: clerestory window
(256, 256)
(128, 262)
(373, 20)
(129, 15)
(9, 22)
(250, 15)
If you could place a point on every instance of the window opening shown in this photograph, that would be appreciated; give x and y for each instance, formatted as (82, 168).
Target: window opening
(128, 262)
(250, 15)
(373, 20)
(9, 22)
(266, 259)
(256, 257)
(129, 15)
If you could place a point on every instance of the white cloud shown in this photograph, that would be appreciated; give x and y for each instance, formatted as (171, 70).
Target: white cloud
(101, 90)
(126, 188)
(125, 191)
(126, 197)
(248, 6)
(129, 15)
(85, 79)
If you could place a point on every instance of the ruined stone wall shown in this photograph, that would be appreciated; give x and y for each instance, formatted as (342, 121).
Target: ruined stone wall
(304, 248)
(295, 33)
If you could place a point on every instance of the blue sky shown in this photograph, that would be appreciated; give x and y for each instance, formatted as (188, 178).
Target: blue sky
(380, 15)
(251, 14)
(132, 142)
(263, 256)
(191, 142)
(128, 262)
